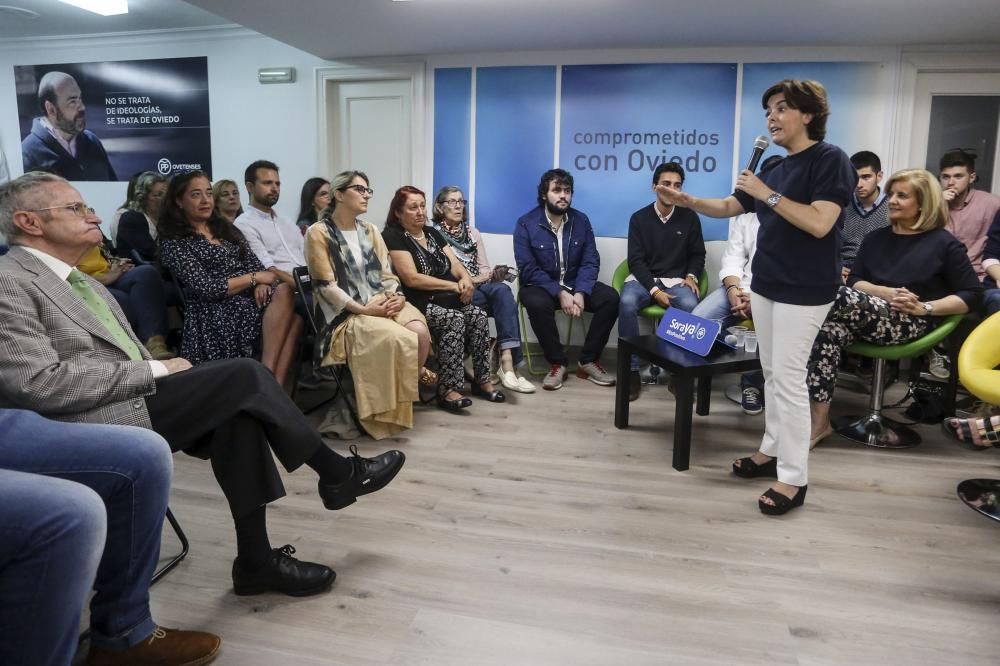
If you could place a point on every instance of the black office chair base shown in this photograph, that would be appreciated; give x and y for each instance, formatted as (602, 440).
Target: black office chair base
(982, 496)
(876, 431)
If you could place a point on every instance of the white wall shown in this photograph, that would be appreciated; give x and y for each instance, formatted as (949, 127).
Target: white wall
(249, 121)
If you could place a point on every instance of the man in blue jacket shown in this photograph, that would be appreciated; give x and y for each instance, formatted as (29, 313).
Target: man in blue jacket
(558, 265)
(59, 141)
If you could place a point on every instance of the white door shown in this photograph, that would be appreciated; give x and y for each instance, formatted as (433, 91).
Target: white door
(370, 130)
(957, 110)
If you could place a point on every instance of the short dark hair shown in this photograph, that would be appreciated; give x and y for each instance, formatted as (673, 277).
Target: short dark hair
(670, 167)
(958, 157)
(250, 175)
(807, 97)
(866, 158)
(560, 176)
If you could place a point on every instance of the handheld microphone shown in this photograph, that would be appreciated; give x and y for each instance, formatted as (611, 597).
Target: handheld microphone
(760, 144)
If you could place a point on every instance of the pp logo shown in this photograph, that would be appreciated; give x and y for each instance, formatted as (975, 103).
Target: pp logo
(701, 332)
(164, 166)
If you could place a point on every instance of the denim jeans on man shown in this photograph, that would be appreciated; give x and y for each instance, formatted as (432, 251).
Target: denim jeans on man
(498, 301)
(129, 469)
(635, 297)
(716, 306)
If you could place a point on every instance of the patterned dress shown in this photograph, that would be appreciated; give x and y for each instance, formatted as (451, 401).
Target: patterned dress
(216, 325)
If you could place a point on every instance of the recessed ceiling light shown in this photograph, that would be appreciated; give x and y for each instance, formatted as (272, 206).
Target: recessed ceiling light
(18, 12)
(102, 7)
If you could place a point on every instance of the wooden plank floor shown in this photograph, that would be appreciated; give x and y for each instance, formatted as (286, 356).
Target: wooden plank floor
(534, 532)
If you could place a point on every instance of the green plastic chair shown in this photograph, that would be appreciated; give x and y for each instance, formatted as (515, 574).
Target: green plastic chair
(873, 429)
(653, 312)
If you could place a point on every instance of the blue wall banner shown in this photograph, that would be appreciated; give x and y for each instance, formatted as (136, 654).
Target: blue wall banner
(618, 122)
(452, 128)
(107, 120)
(515, 142)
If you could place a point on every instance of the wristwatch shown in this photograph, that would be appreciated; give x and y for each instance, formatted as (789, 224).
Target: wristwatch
(928, 307)
(773, 200)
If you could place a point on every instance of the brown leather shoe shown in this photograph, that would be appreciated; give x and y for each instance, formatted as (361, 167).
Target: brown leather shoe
(164, 647)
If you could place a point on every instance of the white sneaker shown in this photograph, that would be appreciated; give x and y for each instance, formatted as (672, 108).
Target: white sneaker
(514, 383)
(939, 365)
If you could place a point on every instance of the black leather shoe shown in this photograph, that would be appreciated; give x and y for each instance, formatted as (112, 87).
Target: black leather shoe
(458, 405)
(368, 475)
(283, 573)
(492, 396)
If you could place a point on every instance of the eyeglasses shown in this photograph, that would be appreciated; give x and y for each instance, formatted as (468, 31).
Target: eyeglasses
(455, 203)
(81, 209)
(361, 189)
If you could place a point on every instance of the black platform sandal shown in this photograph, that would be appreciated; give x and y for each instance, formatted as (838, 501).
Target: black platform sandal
(748, 469)
(492, 396)
(782, 503)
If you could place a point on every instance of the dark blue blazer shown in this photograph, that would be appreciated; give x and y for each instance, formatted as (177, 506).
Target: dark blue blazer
(536, 252)
(41, 152)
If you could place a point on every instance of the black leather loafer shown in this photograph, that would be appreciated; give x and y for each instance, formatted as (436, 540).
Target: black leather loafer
(492, 396)
(367, 476)
(457, 405)
(283, 573)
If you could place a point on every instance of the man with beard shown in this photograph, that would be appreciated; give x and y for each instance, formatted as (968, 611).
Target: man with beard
(275, 240)
(59, 141)
(558, 265)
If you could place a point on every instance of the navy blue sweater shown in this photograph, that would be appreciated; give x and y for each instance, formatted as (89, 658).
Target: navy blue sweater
(671, 250)
(932, 265)
(791, 265)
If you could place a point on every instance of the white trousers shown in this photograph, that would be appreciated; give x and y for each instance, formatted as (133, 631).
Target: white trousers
(785, 335)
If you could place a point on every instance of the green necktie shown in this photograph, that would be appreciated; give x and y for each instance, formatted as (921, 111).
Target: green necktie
(100, 308)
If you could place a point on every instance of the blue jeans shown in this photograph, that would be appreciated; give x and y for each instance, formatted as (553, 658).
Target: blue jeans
(129, 469)
(498, 301)
(991, 301)
(635, 297)
(141, 294)
(716, 306)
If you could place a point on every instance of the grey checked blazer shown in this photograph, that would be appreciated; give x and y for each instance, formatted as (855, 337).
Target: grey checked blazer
(56, 358)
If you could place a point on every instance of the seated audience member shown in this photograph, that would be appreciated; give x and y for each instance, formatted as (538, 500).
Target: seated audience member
(666, 255)
(867, 211)
(366, 321)
(970, 211)
(492, 294)
(80, 501)
(121, 210)
(139, 291)
(138, 226)
(232, 303)
(558, 263)
(275, 240)
(991, 266)
(313, 200)
(437, 284)
(227, 200)
(68, 354)
(904, 276)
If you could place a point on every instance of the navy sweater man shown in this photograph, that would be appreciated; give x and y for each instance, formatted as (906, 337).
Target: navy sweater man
(59, 141)
(558, 263)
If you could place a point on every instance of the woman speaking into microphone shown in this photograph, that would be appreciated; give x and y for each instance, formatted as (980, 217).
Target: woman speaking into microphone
(798, 201)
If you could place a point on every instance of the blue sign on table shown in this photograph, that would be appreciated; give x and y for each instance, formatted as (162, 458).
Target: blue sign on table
(688, 332)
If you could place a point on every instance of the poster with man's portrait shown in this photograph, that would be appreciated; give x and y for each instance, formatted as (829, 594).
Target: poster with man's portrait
(104, 121)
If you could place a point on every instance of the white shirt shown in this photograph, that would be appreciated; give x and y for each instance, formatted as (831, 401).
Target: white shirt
(275, 240)
(62, 271)
(738, 256)
(557, 230)
(352, 242)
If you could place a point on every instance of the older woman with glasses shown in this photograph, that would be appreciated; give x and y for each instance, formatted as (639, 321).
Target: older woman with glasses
(436, 281)
(492, 294)
(365, 319)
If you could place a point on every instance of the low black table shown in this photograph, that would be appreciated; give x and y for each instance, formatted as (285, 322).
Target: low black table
(685, 367)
